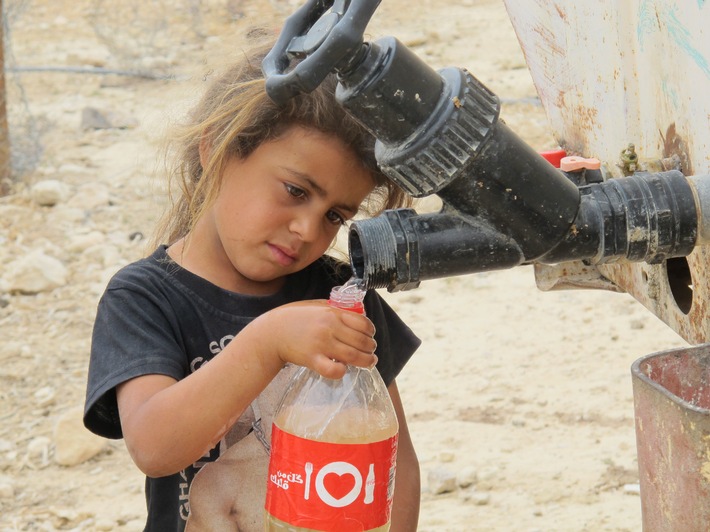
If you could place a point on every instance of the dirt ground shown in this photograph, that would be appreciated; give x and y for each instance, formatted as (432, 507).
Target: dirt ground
(529, 393)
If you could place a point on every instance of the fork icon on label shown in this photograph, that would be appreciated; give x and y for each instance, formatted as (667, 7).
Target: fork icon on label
(309, 472)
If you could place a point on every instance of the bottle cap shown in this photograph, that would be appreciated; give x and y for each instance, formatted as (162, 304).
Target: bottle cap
(348, 296)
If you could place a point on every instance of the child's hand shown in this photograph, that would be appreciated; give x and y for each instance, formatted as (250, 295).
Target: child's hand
(320, 337)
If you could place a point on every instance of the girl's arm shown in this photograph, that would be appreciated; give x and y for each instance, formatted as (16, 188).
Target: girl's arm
(407, 484)
(169, 424)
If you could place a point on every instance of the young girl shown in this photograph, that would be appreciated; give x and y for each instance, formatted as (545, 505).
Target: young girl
(192, 346)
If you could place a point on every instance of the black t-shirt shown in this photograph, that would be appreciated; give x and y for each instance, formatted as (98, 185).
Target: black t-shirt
(158, 318)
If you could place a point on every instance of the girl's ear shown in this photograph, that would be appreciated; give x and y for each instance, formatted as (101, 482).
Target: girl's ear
(204, 151)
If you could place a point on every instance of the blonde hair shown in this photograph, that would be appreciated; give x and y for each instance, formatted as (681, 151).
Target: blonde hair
(233, 118)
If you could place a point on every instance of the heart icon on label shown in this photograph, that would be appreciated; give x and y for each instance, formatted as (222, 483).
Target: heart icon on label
(337, 485)
(344, 484)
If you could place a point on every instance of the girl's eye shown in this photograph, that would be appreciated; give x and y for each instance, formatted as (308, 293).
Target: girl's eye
(335, 218)
(295, 191)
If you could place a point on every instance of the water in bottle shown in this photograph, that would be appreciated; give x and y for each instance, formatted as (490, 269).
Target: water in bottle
(333, 449)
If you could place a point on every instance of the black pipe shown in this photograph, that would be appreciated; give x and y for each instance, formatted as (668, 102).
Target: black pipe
(439, 132)
(429, 124)
(504, 204)
(400, 249)
(516, 191)
(644, 217)
(391, 91)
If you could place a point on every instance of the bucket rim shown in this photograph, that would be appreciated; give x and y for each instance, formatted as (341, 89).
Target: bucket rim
(637, 373)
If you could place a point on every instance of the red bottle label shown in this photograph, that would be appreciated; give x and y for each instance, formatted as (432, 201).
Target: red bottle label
(330, 486)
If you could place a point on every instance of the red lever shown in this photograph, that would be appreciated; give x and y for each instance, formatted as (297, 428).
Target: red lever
(575, 164)
(554, 156)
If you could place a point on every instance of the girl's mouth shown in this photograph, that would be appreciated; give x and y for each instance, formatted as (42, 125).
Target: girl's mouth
(283, 256)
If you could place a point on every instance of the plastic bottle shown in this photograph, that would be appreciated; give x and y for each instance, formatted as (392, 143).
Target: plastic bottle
(333, 448)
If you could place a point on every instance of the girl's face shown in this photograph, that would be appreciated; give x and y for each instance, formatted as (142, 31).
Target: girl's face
(278, 210)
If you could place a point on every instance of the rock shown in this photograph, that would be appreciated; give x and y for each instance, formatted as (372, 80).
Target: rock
(6, 446)
(38, 450)
(7, 487)
(93, 118)
(446, 456)
(34, 273)
(480, 499)
(63, 214)
(104, 524)
(441, 480)
(90, 196)
(73, 169)
(81, 242)
(49, 192)
(488, 478)
(73, 443)
(10, 348)
(44, 396)
(14, 212)
(69, 519)
(135, 525)
(466, 477)
(105, 255)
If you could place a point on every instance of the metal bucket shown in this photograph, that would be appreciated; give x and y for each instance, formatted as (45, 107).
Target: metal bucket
(672, 406)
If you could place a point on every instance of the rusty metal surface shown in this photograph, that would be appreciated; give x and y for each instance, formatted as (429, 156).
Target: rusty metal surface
(571, 275)
(671, 403)
(676, 291)
(668, 296)
(646, 84)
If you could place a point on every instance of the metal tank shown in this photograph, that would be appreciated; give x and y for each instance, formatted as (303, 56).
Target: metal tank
(640, 102)
(616, 73)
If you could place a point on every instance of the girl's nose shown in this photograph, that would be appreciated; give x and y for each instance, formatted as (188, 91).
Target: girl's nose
(306, 226)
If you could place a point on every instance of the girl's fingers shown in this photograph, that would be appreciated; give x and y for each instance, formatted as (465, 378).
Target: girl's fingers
(329, 368)
(337, 338)
(358, 322)
(355, 343)
(355, 356)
